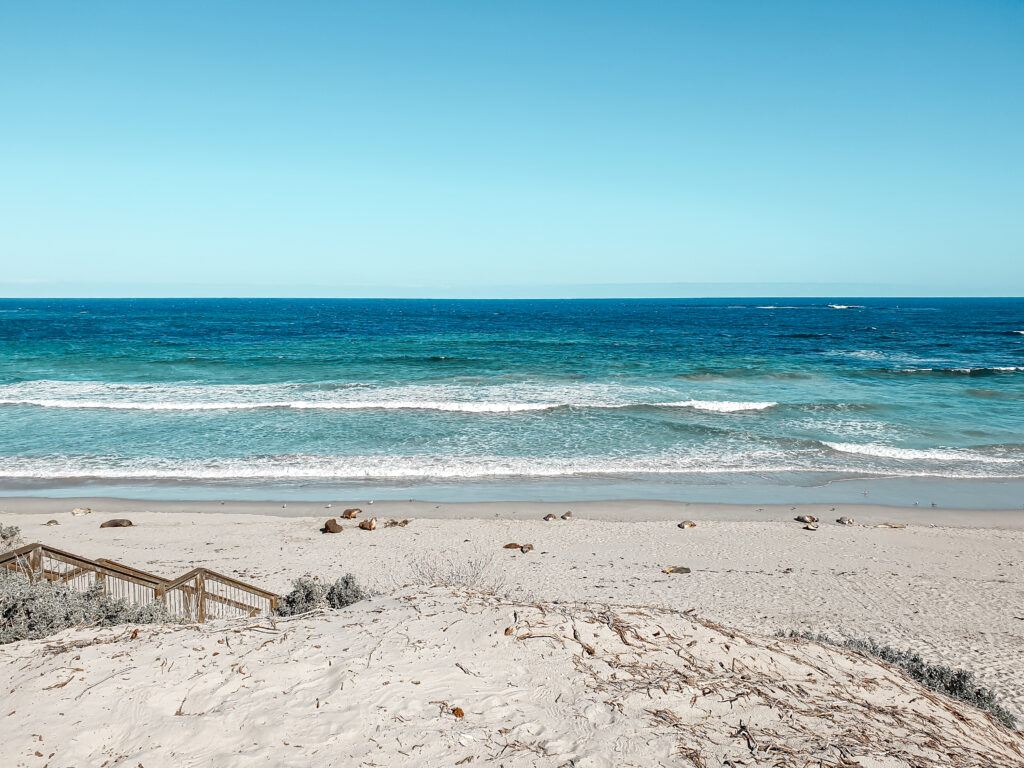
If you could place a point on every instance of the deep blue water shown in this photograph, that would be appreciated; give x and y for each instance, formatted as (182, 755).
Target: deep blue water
(329, 394)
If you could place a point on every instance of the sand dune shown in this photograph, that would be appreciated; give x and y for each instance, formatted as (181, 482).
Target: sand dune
(949, 586)
(432, 677)
(378, 683)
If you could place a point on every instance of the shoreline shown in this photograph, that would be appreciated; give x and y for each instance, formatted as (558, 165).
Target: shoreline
(742, 489)
(609, 510)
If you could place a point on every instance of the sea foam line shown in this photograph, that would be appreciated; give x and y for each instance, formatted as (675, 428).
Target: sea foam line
(454, 397)
(296, 467)
(468, 407)
(964, 370)
(719, 406)
(396, 467)
(913, 454)
(725, 406)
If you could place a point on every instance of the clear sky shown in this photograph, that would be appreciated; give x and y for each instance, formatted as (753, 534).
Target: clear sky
(516, 148)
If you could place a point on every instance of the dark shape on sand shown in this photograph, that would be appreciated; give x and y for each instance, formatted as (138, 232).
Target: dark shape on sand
(117, 522)
(331, 526)
(676, 569)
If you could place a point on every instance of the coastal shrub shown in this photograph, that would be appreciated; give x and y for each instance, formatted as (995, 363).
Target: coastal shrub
(345, 591)
(10, 537)
(31, 609)
(956, 683)
(310, 594)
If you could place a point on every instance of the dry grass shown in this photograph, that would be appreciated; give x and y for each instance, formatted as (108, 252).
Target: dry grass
(812, 711)
(473, 570)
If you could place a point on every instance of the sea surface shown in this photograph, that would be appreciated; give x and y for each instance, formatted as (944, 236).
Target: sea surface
(627, 398)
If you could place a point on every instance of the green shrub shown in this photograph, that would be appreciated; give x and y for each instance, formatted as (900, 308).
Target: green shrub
(10, 537)
(310, 594)
(956, 683)
(344, 592)
(30, 609)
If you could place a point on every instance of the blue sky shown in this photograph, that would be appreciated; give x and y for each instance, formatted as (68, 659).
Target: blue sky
(484, 148)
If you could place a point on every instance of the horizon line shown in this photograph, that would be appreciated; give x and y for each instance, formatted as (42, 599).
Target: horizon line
(503, 298)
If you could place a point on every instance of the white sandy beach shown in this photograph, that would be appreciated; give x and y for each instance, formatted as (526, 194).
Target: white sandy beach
(950, 585)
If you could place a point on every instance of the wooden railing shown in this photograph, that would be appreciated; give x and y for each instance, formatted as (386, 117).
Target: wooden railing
(199, 595)
(204, 594)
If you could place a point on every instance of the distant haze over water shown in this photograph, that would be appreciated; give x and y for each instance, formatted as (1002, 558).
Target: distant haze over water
(413, 397)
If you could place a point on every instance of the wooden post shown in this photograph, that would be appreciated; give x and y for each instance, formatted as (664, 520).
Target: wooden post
(35, 563)
(201, 596)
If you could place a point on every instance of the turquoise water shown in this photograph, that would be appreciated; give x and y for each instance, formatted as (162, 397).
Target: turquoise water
(392, 395)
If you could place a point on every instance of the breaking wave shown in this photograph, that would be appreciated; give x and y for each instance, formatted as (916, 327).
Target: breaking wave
(339, 468)
(513, 398)
(719, 406)
(429, 467)
(964, 370)
(913, 454)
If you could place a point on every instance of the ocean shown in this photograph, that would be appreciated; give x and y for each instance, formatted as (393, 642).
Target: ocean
(686, 398)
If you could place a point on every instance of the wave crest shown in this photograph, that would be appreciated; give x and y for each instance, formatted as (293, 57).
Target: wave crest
(430, 467)
(459, 398)
(720, 406)
(914, 454)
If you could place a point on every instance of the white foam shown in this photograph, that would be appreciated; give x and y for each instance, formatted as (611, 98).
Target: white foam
(913, 454)
(858, 354)
(965, 370)
(456, 397)
(515, 397)
(317, 468)
(469, 407)
(720, 406)
(386, 467)
(846, 306)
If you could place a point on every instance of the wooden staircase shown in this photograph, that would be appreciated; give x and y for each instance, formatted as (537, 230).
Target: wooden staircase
(199, 595)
